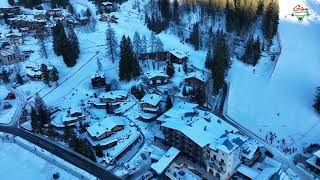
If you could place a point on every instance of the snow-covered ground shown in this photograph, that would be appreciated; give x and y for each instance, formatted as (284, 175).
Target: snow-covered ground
(283, 103)
(18, 163)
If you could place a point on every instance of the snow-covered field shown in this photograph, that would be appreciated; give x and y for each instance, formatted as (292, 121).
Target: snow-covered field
(283, 103)
(18, 163)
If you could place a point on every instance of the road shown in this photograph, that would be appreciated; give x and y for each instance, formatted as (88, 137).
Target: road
(68, 155)
(286, 163)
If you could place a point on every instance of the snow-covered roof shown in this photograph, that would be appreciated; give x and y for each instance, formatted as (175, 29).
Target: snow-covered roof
(269, 167)
(75, 109)
(7, 52)
(317, 154)
(97, 74)
(228, 142)
(249, 148)
(178, 54)
(175, 172)
(107, 3)
(203, 128)
(165, 160)
(14, 34)
(198, 75)
(152, 99)
(105, 125)
(153, 74)
(178, 110)
(114, 94)
(247, 171)
(3, 92)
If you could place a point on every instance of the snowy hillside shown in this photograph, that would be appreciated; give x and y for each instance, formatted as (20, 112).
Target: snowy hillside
(283, 103)
(18, 163)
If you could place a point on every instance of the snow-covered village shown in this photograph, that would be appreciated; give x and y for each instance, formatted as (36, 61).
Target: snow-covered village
(159, 89)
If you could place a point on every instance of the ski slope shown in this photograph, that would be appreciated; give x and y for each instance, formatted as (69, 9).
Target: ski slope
(283, 103)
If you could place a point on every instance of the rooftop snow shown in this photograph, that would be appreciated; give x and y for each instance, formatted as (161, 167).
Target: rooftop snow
(152, 99)
(179, 110)
(197, 75)
(317, 154)
(247, 171)
(3, 92)
(98, 74)
(204, 128)
(165, 160)
(153, 74)
(114, 94)
(249, 148)
(105, 125)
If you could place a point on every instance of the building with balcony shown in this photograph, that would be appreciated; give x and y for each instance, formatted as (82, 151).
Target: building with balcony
(204, 139)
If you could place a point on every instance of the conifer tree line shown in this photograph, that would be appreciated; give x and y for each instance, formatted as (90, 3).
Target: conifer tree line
(128, 66)
(239, 16)
(34, 3)
(252, 52)
(218, 61)
(66, 44)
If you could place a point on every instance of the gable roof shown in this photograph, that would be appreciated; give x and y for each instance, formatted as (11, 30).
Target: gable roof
(153, 74)
(105, 125)
(152, 99)
(114, 94)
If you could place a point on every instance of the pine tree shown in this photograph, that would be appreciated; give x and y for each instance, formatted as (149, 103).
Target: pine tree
(200, 96)
(112, 43)
(184, 91)
(136, 43)
(176, 13)
(221, 64)
(271, 20)
(54, 74)
(42, 112)
(59, 38)
(124, 66)
(5, 76)
(195, 36)
(144, 44)
(45, 77)
(230, 16)
(133, 61)
(170, 69)
(209, 60)
(74, 42)
(12, 2)
(252, 52)
(169, 104)
(99, 152)
(43, 48)
(19, 79)
(165, 10)
(257, 51)
(35, 125)
(316, 104)
(152, 42)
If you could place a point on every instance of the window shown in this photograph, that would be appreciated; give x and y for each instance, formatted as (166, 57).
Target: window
(214, 157)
